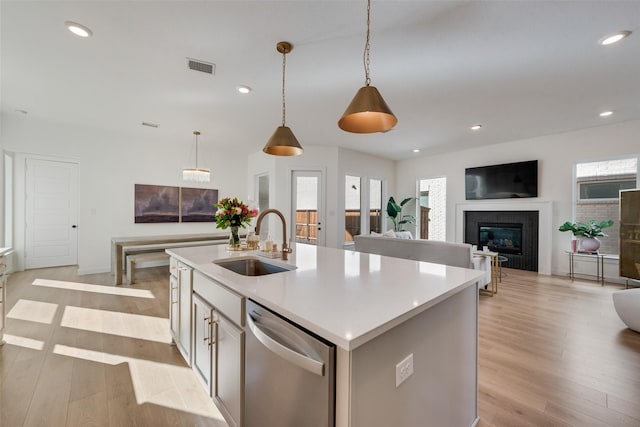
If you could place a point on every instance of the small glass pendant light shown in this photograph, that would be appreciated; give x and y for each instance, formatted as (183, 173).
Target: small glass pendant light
(196, 174)
(368, 112)
(283, 142)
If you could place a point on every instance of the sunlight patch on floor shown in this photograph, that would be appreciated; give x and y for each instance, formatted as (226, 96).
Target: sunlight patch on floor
(154, 382)
(33, 311)
(117, 323)
(24, 342)
(85, 287)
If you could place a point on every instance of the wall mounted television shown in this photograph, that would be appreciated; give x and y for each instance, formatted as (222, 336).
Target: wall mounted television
(506, 181)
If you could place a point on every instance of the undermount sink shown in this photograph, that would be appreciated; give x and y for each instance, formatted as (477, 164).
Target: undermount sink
(251, 267)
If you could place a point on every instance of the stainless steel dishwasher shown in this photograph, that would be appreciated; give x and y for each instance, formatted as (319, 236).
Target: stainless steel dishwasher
(289, 373)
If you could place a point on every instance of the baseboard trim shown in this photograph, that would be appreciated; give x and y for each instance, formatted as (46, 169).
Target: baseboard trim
(84, 271)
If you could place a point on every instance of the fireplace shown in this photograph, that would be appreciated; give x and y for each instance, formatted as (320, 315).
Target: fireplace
(513, 234)
(502, 238)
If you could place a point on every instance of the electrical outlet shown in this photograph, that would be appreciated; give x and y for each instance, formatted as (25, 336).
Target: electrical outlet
(404, 370)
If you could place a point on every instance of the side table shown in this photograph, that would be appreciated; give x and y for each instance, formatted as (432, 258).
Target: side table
(599, 263)
(495, 274)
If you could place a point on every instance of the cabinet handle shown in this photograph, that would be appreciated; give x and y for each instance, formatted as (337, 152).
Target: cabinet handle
(206, 337)
(215, 329)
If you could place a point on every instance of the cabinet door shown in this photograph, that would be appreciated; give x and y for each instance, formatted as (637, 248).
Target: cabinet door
(204, 342)
(3, 296)
(174, 300)
(185, 289)
(229, 390)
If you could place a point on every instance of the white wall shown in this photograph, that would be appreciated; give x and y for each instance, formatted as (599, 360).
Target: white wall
(335, 163)
(556, 155)
(314, 158)
(109, 166)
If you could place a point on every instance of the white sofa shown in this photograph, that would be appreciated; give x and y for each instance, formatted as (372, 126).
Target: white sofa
(455, 254)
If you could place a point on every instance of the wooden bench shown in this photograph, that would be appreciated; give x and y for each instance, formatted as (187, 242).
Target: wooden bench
(134, 261)
(121, 247)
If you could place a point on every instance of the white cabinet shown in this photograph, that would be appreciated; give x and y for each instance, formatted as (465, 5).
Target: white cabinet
(180, 296)
(204, 350)
(219, 344)
(174, 300)
(230, 370)
(185, 292)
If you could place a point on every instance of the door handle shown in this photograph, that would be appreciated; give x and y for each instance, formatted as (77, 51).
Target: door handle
(74, 226)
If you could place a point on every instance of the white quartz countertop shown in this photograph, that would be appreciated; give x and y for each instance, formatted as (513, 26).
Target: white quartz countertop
(345, 297)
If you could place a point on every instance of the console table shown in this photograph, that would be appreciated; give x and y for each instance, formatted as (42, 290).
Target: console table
(121, 246)
(587, 255)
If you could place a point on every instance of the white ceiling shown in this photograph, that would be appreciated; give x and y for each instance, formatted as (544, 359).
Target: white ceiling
(521, 68)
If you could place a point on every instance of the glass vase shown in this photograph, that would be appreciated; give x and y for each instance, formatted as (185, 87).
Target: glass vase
(234, 237)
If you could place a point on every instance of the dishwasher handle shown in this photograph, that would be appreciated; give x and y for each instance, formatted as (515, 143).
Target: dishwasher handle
(286, 353)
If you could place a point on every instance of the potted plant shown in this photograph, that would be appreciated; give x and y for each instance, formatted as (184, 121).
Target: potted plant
(587, 232)
(394, 211)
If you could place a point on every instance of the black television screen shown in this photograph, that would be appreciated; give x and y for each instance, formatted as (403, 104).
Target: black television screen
(507, 181)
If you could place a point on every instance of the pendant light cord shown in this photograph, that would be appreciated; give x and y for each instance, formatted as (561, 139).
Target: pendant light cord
(284, 63)
(196, 133)
(367, 47)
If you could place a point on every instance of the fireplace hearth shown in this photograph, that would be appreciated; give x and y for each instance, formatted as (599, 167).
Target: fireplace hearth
(513, 234)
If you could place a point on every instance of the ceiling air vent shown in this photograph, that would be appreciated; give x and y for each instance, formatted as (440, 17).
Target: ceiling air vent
(202, 66)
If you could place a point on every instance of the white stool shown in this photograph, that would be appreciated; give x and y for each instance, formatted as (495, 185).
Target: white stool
(627, 305)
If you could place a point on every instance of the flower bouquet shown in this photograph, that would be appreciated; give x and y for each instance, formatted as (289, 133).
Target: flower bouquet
(233, 214)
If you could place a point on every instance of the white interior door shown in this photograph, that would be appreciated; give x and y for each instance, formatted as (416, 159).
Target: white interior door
(307, 202)
(51, 213)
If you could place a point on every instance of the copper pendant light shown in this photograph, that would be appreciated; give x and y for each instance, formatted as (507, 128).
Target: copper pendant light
(368, 112)
(283, 142)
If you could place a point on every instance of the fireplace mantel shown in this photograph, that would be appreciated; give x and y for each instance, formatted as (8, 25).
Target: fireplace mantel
(544, 223)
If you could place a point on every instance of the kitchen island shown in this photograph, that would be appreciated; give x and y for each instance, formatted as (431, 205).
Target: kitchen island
(377, 311)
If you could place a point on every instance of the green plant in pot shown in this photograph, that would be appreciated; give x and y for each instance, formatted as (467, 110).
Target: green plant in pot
(587, 231)
(394, 211)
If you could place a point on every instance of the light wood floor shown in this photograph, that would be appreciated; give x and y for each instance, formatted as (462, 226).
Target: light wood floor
(82, 352)
(555, 353)
(87, 355)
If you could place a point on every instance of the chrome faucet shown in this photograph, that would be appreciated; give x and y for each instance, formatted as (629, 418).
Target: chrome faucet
(285, 247)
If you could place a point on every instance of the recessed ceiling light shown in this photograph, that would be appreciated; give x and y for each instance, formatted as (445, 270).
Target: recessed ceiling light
(606, 113)
(476, 127)
(244, 89)
(613, 38)
(416, 150)
(78, 29)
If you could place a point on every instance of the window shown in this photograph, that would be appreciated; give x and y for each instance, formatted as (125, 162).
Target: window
(306, 190)
(604, 179)
(597, 188)
(262, 184)
(375, 206)
(433, 208)
(352, 207)
(591, 190)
